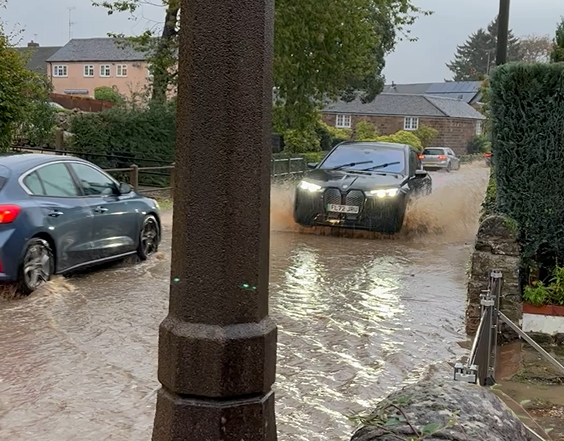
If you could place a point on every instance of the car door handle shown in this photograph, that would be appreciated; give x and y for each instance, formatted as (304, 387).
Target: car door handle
(55, 213)
(100, 209)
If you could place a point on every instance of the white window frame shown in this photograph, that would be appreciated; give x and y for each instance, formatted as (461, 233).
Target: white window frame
(60, 71)
(410, 123)
(88, 71)
(121, 70)
(343, 121)
(105, 71)
(479, 127)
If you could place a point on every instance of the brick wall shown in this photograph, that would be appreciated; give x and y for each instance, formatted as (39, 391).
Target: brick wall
(453, 132)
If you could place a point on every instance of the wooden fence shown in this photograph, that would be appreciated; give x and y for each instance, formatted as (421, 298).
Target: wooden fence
(279, 168)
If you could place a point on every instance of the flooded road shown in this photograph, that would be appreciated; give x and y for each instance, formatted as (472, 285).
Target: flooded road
(358, 315)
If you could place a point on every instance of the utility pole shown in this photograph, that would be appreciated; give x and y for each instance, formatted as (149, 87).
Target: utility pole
(502, 32)
(72, 8)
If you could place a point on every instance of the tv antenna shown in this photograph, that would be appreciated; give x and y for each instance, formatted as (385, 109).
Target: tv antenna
(72, 8)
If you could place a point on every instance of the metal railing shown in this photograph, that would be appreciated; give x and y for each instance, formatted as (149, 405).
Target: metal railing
(480, 367)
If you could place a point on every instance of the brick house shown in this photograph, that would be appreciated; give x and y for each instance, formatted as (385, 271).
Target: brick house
(456, 121)
(85, 64)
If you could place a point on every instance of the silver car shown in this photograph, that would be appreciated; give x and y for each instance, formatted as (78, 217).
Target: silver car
(439, 158)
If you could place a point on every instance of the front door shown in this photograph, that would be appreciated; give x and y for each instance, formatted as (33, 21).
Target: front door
(66, 218)
(115, 228)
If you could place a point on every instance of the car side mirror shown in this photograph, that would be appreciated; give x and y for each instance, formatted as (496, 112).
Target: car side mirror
(124, 188)
(312, 165)
(420, 174)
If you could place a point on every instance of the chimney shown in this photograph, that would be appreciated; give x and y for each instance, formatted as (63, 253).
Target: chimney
(32, 44)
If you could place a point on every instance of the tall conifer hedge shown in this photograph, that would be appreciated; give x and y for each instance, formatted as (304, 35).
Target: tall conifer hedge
(527, 106)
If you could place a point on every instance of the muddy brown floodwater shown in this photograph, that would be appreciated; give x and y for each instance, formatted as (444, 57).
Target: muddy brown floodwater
(358, 315)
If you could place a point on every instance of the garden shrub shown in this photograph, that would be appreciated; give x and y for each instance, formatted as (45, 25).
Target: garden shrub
(301, 141)
(478, 144)
(527, 109)
(365, 131)
(329, 136)
(403, 137)
(121, 136)
(540, 294)
(426, 135)
(106, 93)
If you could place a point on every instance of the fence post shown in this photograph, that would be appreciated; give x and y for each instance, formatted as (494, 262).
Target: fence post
(172, 176)
(59, 141)
(289, 166)
(134, 177)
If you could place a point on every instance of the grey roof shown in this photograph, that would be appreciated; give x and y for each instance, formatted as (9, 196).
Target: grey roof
(38, 57)
(96, 49)
(468, 91)
(417, 88)
(396, 104)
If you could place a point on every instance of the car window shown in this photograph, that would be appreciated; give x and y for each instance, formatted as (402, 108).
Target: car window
(33, 183)
(368, 155)
(433, 152)
(57, 181)
(93, 182)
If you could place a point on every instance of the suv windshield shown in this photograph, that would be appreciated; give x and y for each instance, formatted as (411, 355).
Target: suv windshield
(434, 152)
(364, 157)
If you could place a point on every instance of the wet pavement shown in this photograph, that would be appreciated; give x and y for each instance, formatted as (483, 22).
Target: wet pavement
(358, 315)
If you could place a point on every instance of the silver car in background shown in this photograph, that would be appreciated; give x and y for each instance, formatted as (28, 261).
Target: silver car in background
(439, 158)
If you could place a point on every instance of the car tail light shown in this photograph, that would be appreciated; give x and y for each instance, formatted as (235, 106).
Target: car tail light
(442, 157)
(421, 156)
(9, 213)
(488, 155)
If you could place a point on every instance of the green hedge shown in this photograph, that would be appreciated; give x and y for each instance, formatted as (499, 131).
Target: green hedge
(527, 109)
(119, 137)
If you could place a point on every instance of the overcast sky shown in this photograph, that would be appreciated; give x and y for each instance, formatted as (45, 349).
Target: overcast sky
(47, 22)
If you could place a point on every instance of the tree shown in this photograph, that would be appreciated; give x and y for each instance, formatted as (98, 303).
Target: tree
(474, 59)
(557, 54)
(23, 95)
(536, 48)
(323, 50)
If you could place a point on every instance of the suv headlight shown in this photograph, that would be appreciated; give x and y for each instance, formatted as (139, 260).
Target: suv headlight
(390, 192)
(308, 186)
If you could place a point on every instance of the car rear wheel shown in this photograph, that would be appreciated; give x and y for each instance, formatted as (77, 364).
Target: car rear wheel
(37, 266)
(149, 237)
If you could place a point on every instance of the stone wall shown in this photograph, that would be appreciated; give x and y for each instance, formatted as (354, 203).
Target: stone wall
(442, 410)
(496, 247)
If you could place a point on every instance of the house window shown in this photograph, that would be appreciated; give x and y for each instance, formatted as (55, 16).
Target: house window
(410, 123)
(478, 127)
(343, 122)
(121, 70)
(60, 71)
(88, 70)
(105, 70)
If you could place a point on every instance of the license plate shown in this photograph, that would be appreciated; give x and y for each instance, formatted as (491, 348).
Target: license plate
(349, 209)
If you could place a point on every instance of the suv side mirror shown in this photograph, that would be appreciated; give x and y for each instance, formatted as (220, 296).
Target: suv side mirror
(125, 188)
(312, 165)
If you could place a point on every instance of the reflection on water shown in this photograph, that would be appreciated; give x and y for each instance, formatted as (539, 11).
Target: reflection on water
(357, 317)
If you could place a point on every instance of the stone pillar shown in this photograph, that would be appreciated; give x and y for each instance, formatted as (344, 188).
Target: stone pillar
(496, 247)
(217, 346)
